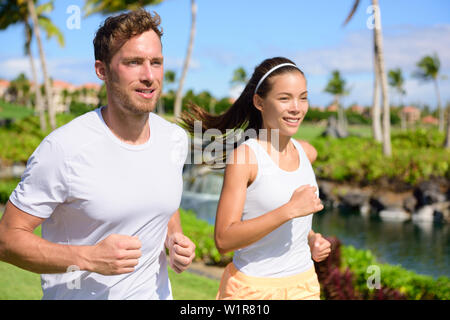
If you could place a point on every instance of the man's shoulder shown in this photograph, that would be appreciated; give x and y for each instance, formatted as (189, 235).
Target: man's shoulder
(79, 131)
(164, 124)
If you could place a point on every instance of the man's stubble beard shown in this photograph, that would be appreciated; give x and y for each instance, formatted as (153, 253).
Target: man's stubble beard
(123, 98)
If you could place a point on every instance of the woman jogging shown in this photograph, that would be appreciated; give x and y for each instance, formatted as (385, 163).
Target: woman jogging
(269, 191)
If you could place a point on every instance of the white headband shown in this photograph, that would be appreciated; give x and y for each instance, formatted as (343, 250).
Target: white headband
(272, 70)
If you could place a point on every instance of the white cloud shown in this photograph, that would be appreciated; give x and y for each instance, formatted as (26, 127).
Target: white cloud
(403, 46)
(72, 70)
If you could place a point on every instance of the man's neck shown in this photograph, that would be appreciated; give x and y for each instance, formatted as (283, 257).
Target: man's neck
(128, 127)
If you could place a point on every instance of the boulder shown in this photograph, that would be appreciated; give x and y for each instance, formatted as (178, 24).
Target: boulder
(410, 204)
(428, 192)
(353, 200)
(394, 214)
(424, 214)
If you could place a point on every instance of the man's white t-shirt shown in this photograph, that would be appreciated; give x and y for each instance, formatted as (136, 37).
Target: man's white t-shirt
(88, 184)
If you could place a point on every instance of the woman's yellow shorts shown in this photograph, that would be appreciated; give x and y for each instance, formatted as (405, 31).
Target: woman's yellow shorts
(235, 285)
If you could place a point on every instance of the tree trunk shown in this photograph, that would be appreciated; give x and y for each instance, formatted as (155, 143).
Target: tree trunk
(340, 112)
(387, 149)
(179, 94)
(39, 108)
(48, 87)
(447, 136)
(441, 111)
(376, 112)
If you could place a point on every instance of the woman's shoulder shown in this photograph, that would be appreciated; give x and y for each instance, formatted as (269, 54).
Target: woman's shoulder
(242, 163)
(309, 149)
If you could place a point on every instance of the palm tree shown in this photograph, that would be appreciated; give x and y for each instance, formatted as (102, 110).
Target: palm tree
(239, 76)
(428, 70)
(113, 6)
(19, 89)
(396, 81)
(381, 74)
(376, 107)
(447, 136)
(48, 86)
(337, 87)
(12, 12)
(179, 94)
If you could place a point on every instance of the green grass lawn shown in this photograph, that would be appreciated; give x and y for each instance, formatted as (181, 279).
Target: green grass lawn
(309, 131)
(12, 111)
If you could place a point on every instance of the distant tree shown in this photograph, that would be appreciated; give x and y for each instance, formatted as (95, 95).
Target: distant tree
(337, 87)
(169, 78)
(428, 70)
(380, 79)
(187, 59)
(37, 33)
(239, 76)
(397, 81)
(17, 11)
(19, 89)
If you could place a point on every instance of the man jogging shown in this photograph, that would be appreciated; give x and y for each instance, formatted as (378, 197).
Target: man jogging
(106, 187)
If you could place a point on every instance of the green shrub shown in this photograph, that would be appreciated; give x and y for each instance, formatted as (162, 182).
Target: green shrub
(18, 142)
(6, 188)
(79, 108)
(202, 234)
(412, 285)
(416, 156)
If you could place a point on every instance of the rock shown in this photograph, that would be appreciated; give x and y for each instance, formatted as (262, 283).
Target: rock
(376, 205)
(424, 214)
(394, 214)
(410, 204)
(428, 192)
(326, 191)
(353, 200)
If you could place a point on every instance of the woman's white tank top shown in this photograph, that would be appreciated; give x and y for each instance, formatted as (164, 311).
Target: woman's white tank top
(284, 251)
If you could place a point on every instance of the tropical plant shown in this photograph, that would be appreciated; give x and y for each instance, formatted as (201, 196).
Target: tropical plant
(19, 89)
(337, 87)
(48, 87)
(113, 6)
(179, 94)
(380, 78)
(239, 76)
(169, 78)
(428, 70)
(18, 11)
(396, 81)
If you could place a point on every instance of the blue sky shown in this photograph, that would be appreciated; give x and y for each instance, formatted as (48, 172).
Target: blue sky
(238, 33)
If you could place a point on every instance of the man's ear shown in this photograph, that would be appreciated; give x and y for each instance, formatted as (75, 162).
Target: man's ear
(257, 102)
(100, 69)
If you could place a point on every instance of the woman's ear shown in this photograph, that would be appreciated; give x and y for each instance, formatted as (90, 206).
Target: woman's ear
(258, 102)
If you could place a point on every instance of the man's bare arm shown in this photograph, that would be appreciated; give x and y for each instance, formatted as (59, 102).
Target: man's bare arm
(21, 247)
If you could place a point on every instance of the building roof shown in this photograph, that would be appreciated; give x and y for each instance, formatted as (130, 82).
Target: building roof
(59, 84)
(410, 109)
(4, 83)
(90, 85)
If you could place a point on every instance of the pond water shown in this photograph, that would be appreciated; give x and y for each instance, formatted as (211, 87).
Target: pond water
(423, 248)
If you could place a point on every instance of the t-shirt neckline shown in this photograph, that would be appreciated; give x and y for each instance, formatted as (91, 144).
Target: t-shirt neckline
(123, 144)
